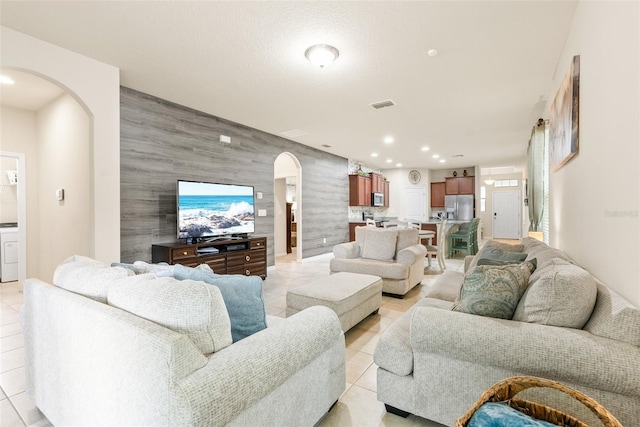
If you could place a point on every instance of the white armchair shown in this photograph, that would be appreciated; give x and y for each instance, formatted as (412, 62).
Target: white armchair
(394, 254)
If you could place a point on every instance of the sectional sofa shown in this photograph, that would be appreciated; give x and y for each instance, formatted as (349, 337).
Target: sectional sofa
(107, 347)
(567, 326)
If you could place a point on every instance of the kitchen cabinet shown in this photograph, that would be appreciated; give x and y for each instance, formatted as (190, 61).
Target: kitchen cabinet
(437, 194)
(377, 183)
(359, 190)
(352, 228)
(386, 194)
(464, 185)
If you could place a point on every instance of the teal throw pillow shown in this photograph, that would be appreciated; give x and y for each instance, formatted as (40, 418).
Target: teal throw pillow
(500, 255)
(489, 261)
(496, 414)
(493, 291)
(242, 296)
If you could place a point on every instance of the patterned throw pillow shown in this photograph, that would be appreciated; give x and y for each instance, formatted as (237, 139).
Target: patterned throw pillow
(493, 291)
(488, 261)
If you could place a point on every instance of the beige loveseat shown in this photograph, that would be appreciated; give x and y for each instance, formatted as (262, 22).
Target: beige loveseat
(104, 347)
(568, 327)
(394, 254)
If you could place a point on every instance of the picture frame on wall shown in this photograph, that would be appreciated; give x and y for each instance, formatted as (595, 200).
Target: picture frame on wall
(564, 118)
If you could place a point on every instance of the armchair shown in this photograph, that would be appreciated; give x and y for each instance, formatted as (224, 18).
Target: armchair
(395, 254)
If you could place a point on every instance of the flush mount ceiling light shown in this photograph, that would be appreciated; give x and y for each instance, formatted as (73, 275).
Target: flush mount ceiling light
(6, 80)
(321, 55)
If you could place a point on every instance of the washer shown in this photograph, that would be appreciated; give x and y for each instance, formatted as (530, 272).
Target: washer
(8, 252)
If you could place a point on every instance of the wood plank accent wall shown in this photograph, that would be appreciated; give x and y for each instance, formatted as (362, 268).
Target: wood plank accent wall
(161, 142)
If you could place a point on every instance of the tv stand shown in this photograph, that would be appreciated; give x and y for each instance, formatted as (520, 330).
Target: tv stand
(246, 256)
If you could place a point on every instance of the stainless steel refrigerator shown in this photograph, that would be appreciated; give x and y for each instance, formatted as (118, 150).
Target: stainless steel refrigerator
(459, 207)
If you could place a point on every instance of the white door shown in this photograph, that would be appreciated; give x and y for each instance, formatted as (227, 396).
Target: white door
(506, 214)
(414, 203)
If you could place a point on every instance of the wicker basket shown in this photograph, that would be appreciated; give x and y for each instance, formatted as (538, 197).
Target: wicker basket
(506, 390)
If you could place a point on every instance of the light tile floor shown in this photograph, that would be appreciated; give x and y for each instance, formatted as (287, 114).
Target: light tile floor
(357, 406)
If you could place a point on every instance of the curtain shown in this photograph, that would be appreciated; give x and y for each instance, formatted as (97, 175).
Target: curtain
(535, 165)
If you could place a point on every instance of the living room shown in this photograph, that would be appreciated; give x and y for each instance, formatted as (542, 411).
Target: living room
(593, 198)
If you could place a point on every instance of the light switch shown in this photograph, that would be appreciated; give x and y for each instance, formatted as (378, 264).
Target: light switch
(226, 139)
(262, 212)
(60, 194)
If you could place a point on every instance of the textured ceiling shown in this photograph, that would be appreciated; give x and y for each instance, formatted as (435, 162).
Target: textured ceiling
(244, 61)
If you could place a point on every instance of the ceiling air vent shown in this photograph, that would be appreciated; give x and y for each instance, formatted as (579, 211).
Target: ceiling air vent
(383, 104)
(326, 146)
(458, 155)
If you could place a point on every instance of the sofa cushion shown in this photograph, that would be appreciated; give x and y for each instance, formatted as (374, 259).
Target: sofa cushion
(242, 296)
(559, 294)
(385, 269)
(493, 291)
(492, 252)
(614, 317)
(188, 307)
(407, 237)
(544, 254)
(380, 244)
(87, 277)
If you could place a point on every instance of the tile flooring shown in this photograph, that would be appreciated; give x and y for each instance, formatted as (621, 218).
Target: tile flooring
(357, 406)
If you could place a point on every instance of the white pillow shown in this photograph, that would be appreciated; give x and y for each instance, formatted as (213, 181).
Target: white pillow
(380, 244)
(87, 277)
(190, 307)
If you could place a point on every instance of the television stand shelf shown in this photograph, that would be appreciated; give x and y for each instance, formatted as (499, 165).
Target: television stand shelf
(234, 256)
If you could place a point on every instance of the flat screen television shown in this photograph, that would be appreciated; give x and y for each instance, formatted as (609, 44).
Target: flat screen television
(208, 210)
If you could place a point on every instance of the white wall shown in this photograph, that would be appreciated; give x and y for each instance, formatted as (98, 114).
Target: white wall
(96, 86)
(8, 192)
(63, 149)
(398, 182)
(594, 198)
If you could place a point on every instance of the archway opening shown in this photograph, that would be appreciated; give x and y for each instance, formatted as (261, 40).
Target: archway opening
(288, 208)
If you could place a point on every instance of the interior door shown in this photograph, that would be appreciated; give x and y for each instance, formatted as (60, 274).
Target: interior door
(414, 203)
(506, 214)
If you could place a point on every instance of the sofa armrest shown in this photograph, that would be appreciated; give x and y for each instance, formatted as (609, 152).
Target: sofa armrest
(411, 254)
(562, 354)
(347, 250)
(467, 262)
(243, 373)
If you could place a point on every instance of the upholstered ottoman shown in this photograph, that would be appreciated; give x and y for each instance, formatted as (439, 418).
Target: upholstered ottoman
(352, 296)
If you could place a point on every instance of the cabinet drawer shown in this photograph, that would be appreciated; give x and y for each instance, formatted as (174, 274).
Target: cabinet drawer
(254, 256)
(257, 269)
(181, 253)
(258, 243)
(236, 259)
(217, 263)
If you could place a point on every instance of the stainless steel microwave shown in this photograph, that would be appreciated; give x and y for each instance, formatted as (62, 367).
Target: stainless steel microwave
(377, 199)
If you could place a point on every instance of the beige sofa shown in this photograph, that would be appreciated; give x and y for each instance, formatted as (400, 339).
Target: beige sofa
(394, 254)
(567, 327)
(103, 347)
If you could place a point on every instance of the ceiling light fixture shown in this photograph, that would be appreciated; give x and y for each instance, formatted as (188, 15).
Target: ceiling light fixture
(442, 160)
(388, 140)
(425, 148)
(374, 154)
(432, 52)
(399, 165)
(436, 156)
(389, 160)
(6, 80)
(321, 55)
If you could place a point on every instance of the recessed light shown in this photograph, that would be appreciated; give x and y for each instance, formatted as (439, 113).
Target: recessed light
(442, 160)
(388, 140)
(425, 148)
(389, 160)
(436, 156)
(6, 80)
(374, 154)
(398, 164)
(432, 52)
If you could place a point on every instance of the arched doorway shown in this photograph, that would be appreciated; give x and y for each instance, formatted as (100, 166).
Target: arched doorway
(287, 207)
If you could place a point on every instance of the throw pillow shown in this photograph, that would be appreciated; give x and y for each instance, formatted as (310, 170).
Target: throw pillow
(188, 307)
(498, 414)
(561, 294)
(87, 277)
(508, 247)
(242, 296)
(493, 291)
(498, 254)
(380, 244)
(489, 261)
(160, 270)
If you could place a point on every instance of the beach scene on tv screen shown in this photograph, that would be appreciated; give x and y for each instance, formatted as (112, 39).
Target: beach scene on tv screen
(206, 209)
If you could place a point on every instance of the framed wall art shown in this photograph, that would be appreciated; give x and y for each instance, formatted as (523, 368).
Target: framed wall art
(564, 118)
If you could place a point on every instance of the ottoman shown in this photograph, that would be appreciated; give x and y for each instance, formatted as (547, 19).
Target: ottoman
(352, 296)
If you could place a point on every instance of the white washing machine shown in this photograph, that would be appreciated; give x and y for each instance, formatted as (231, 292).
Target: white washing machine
(8, 253)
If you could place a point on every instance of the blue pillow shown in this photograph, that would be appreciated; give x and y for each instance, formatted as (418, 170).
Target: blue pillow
(493, 414)
(241, 294)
